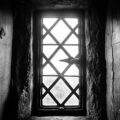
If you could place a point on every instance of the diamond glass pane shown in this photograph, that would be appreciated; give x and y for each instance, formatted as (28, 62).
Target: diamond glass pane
(43, 61)
(56, 60)
(48, 22)
(48, 80)
(44, 31)
(60, 91)
(49, 49)
(73, 70)
(43, 90)
(76, 30)
(48, 40)
(73, 81)
(53, 67)
(48, 70)
(72, 50)
(60, 31)
(72, 22)
(48, 101)
(72, 40)
(73, 101)
(77, 91)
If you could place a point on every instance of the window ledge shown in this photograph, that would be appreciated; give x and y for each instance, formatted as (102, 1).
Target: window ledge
(60, 118)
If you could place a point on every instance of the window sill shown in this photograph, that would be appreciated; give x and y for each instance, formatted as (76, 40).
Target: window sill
(60, 118)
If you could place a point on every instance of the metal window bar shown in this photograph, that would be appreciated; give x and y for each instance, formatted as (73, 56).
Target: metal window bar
(73, 91)
(78, 91)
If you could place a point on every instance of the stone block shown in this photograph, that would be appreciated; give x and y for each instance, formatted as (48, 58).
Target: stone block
(116, 101)
(108, 35)
(117, 86)
(116, 31)
(116, 54)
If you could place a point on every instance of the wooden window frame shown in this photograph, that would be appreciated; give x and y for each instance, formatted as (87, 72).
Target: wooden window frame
(36, 58)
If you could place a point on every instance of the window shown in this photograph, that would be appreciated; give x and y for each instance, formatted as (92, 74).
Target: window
(59, 63)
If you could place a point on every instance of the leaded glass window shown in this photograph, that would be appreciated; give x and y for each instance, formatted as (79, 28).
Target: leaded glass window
(60, 49)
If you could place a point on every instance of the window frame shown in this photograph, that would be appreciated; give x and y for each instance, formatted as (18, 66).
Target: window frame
(37, 55)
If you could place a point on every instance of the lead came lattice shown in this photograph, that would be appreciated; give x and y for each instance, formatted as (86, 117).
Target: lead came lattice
(60, 80)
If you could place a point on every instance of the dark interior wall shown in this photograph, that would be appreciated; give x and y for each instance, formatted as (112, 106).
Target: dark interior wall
(22, 75)
(113, 60)
(22, 57)
(96, 65)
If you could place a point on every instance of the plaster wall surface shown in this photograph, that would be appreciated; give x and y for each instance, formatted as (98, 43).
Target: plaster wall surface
(6, 23)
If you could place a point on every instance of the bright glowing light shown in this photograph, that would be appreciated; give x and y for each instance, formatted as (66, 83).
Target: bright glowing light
(60, 31)
(67, 45)
(48, 22)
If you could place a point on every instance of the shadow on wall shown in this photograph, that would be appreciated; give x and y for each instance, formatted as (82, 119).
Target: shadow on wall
(21, 64)
(11, 103)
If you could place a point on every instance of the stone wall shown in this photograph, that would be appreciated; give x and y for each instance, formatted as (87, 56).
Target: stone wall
(96, 66)
(22, 75)
(21, 60)
(113, 60)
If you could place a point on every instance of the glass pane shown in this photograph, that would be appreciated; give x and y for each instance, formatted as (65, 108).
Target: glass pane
(60, 31)
(48, 101)
(43, 61)
(73, 101)
(72, 50)
(48, 40)
(72, 40)
(44, 31)
(73, 81)
(48, 22)
(72, 22)
(77, 91)
(49, 49)
(73, 70)
(76, 30)
(47, 80)
(56, 60)
(48, 70)
(43, 90)
(60, 91)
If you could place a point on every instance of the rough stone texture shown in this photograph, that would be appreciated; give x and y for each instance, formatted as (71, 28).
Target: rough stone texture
(15, 101)
(109, 60)
(56, 3)
(21, 61)
(96, 71)
(112, 60)
(6, 23)
(22, 64)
